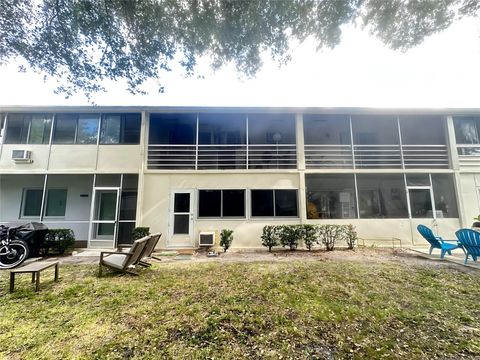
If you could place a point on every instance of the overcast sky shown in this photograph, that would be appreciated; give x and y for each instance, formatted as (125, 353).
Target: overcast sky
(442, 72)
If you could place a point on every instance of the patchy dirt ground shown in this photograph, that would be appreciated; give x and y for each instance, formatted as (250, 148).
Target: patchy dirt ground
(405, 256)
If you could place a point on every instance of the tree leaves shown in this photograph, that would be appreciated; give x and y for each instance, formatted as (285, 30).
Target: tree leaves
(83, 42)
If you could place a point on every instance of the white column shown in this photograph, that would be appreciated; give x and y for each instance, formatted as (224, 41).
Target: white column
(141, 173)
(302, 211)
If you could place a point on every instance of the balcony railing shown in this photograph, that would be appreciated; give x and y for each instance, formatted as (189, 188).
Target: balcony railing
(425, 156)
(326, 156)
(281, 156)
(469, 155)
(213, 157)
(171, 157)
(376, 156)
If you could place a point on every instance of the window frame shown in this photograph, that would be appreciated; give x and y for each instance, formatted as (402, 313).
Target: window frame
(274, 216)
(198, 217)
(46, 136)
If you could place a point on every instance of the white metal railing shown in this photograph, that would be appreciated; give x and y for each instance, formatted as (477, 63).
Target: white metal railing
(231, 156)
(281, 156)
(171, 157)
(222, 157)
(328, 156)
(469, 155)
(377, 156)
(425, 156)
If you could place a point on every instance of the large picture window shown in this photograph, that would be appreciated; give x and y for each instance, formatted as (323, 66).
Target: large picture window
(272, 203)
(330, 196)
(382, 196)
(221, 203)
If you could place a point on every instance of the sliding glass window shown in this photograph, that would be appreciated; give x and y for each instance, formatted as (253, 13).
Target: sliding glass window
(273, 203)
(221, 203)
(76, 129)
(28, 128)
(120, 129)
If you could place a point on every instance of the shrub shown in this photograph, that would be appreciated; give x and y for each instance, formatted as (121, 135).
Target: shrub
(309, 235)
(269, 237)
(351, 236)
(226, 238)
(290, 235)
(140, 232)
(59, 240)
(329, 234)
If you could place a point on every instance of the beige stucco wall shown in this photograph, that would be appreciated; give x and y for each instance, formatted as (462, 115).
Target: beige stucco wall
(158, 187)
(119, 158)
(469, 185)
(74, 158)
(39, 157)
(156, 211)
(70, 158)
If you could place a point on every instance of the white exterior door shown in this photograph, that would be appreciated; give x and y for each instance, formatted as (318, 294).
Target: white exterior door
(181, 219)
(104, 217)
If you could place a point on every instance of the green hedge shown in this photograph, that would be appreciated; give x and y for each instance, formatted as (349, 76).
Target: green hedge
(58, 241)
(140, 232)
(293, 235)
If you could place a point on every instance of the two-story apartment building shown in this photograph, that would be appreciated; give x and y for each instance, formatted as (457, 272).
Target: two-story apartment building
(104, 170)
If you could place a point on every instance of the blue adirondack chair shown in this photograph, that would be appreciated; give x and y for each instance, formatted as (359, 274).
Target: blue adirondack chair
(470, 241)
(436, 242)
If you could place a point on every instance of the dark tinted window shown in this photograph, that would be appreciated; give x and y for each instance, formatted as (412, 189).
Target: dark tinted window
(222, 129)
(209, 203)
(286, 203)
(65, 127)
(233, 203)
(173, 129)
(120, 129)
(262, 203)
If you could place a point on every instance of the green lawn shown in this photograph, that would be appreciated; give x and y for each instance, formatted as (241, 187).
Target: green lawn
(290, 309)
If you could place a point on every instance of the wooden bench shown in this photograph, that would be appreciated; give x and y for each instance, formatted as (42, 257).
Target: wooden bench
(34, 268)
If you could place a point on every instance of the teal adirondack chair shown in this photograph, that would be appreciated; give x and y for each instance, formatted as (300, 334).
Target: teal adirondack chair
(470, 242)
(436, 242)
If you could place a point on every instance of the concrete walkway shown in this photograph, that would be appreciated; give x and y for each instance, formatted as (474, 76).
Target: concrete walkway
(457, 257)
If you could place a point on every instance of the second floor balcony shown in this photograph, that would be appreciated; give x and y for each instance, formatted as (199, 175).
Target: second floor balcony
(221, 141)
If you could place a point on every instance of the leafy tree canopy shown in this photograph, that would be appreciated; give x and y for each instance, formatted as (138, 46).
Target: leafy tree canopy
(82, 42)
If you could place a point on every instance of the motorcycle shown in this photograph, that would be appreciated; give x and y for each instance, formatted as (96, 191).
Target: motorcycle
(13, 251)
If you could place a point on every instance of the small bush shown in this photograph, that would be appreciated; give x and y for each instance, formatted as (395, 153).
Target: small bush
(226, 238)
(269, 237)
(309, 235)
(59, 240)
(351, 236)
(290, 235)
(329, 234)
(140, 232)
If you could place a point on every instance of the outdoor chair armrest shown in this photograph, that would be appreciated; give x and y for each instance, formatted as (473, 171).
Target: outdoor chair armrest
(439, 238)
(454, 241)
(123, 247)
(112, 253)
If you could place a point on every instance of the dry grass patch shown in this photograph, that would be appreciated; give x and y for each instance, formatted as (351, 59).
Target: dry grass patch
(297, 309)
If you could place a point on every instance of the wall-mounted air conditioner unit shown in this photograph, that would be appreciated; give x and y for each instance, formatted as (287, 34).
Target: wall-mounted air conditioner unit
(206, 238)
(22, 156)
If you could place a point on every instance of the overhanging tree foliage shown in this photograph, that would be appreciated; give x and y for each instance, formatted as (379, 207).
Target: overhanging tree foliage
(82, 42)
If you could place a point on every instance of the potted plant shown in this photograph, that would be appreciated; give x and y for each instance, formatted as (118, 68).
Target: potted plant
(226, 238)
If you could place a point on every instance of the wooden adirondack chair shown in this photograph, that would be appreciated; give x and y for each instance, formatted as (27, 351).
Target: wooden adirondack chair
(123, 261)
(149, 249)
(470, 242)
(436, 242)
